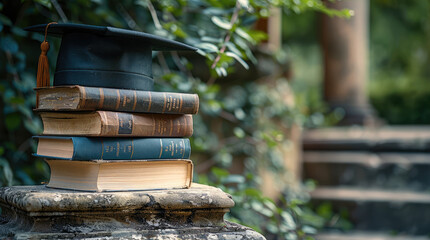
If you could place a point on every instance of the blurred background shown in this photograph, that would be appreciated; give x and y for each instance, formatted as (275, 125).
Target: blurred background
(312, 113)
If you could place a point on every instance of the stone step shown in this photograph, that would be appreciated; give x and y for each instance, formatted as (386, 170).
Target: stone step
(366, 236)
(409, 138)
(405, 212)
(368, 170)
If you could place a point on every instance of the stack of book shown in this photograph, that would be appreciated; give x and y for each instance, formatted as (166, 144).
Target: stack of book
(106, 139)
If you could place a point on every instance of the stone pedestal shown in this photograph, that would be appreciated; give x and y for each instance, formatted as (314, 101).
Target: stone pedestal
(37, 212)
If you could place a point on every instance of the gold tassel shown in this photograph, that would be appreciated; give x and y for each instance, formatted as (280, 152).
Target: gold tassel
(43, 79)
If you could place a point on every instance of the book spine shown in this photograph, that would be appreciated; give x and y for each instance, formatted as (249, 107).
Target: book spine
(137, 101)
(130, 148)
(149, 125)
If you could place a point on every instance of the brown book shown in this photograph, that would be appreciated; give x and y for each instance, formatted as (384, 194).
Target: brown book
(114, 124)
(101, 175)
(79, 98)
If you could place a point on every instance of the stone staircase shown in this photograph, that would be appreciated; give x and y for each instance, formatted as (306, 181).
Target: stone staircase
(380, 176)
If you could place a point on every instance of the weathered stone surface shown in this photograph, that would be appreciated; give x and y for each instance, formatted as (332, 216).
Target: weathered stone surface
(38, 212)
(40, 199)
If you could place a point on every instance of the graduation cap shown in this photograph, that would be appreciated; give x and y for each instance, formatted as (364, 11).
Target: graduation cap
(100, 56)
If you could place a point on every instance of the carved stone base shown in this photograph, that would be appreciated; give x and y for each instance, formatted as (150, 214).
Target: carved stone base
(38, 212)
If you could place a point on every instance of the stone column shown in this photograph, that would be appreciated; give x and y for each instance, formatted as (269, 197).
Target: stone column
(37, 212)
(345, 49)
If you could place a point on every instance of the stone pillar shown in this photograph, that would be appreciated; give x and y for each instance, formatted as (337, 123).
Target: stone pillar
(37, 212)
(345, 49)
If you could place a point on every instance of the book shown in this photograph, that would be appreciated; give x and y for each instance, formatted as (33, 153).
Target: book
(85, 148)
(79, 98)
(117, 124)
(102, 175)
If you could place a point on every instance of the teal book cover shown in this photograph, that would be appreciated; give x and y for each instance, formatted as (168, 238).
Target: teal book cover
(85, 148)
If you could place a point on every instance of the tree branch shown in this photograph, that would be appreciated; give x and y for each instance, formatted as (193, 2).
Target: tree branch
(154, 15)
(59, 11)
(228, 36)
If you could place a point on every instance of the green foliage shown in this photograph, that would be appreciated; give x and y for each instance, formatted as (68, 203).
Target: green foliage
(288, 218)
(400, 57)
(398, 60)
(240, 121)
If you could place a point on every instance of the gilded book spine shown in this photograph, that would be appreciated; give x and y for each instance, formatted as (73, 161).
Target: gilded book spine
(151, 125)
(137, 101)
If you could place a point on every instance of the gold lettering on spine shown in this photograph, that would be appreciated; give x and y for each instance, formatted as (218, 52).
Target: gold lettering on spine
(102, 98)
(117, 149)
(161, 149)
(180, 105)
(84, 96)
(135, 100)
(132, 149)
(173, 149)
(124, 101)
(118, 100)
(105, 124)
(165, 102)
(117, 126)
(150, 101)
(183, 148)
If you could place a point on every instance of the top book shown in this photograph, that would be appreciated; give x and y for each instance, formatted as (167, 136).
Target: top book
(79, 98)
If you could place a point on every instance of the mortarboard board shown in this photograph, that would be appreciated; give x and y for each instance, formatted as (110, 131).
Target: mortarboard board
(110, 57)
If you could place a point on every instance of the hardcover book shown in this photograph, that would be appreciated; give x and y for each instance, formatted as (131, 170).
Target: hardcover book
(84, 148)
(74, 98)
(102, 175)
(117, 124)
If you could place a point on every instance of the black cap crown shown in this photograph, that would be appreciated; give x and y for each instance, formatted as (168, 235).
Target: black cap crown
(110, 57)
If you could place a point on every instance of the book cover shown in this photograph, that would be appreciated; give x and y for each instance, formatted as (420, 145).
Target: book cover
(85, 148)
(117, 124)
(79, 98)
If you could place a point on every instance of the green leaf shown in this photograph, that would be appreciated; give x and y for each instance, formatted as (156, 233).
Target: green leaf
(8, 44)
(16, 100)
(46, 3)
(240, 60)
(5, 20)
(244, 3)
(233, 48)
(214, 105)
(233, 179)
(253, 192)
(221, 71)
(260, 208)
(211, 39)
(244, 35)
(13, 121)
(238, 132)
(19, 31)
(309, 230)
(219, 172)
(288, 220)
(208, 47)
(222, 23)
